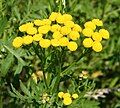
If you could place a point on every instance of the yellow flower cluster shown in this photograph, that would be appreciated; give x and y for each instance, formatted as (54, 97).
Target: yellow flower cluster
(67, 98)
(57, 30)
(94, 36)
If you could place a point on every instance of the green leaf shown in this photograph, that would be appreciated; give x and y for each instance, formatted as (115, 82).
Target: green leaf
(19, 68)
(6, 64)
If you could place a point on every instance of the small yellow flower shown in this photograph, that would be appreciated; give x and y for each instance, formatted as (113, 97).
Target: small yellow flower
(54, 42)
(97, 22)
(75, 96)
(104, 33)
(66, 95)
(53, 16)
(57, 35)
(60, 19)
(46, 21)
(97, 46)
(87, 42)
(72, 46)
(74, 35)
(44, 43)
(69, 23)
(77, 28)
(67, 101)
(37, 37)
(90, 24)
(23, 28)
(31, 30)
(38, 22)
(44, 29)
(27, 39)
(87, 32)
(55, 28)
(63, 41)
(17, 42)
(67, 17)
(65, 30)
(96, 36)
(60, 94)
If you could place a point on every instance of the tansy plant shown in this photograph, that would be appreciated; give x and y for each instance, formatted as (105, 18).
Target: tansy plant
(52, 39)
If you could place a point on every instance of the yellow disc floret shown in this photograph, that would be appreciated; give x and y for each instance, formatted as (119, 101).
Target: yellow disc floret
(55, 28)
(96, 36)
(87, 32)
(57, 35)
(97, 22)
(97, 46)
(55, 42)
(75, 96)
(44, 29)
(77, 28)
(27, 39)
(37, 37)
(60, 94)
(67, 17)
(65, 30)
(72, 46)
(31, 30)
(74, 35)
(69, 23)
(104, 33)
(90, 24)
(87, 42)
(44, 43)
(53, 16)
(17, 42)
(38, 22)
(67, 101)
(63, 41)
(66, 95)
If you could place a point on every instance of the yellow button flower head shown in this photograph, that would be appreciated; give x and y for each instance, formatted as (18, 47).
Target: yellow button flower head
(72, 46)
(77, 28)
(87, 42)
(57, 35)
(75, 96)
(63, 41)
(66, 95)
(60, 94)
(67, 17)
(87, 32)
(38, 22)
(46, 21)
(44, 43)
(65, 30)
(97, 22)
(60, 19)
(37, 37)
(97, 46)
(53, 16)
(34, 77)
(31, 30)
(69, 23)
(27, 39)
(104, 33)
(17, 42)
(54, 42)
(67, 101)
(44, 29)
(55, 28)
(96, 36)
(74, 35)
(90, 24)
(23, 28)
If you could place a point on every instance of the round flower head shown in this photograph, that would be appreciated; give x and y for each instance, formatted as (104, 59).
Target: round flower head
(27, 39)
(104, 33)
(97, 22)
(60, 19)
(77, 28)
(97, 46)
(17, 42)
(69, 23)
(67, 17)
(74, 35)
(63, 41)
(37, 37)
(54, 42)
(66, 95)
(46, 21)
(87, 32)
(23, 28)
(96, 36)
(67, 101)
(44, 43)
(90, 24)
(53, 16)
(65, 30)
(55, 28)
(57, 35)
(60, 94)
(75, 96)
(44, 29)
(38, 22)
(87, 42)
(31, 30)
(72, 46)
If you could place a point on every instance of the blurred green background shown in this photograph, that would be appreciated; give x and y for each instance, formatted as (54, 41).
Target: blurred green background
(15, 12)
